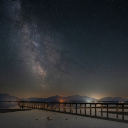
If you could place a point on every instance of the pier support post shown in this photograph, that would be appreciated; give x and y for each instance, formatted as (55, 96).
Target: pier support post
(80, 109)
(40, 105)
(107, 111)
(117, 108)
(101, 110)
(43, 106)
(85, 109)
(122, 111)
(95, 110)
(101, 107)
(76, 108)
(122, 108)
(33, 104)
(55, 106)
(90, 110)
(70, 108)
(117, 111)
(50, 106)
(64, 107)
(47, 106)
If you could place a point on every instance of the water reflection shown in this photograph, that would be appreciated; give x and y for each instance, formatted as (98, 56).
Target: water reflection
(9, 105)
(12, 110)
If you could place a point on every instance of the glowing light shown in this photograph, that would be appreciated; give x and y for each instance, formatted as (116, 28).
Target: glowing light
(61, 101)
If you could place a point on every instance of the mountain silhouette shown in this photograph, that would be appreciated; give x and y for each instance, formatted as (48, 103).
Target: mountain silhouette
(74, 98)
(7, 97)
(113, 99)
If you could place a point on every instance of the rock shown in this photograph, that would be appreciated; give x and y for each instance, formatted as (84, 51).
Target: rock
(66, 118)
(49, 118)
(36, 119)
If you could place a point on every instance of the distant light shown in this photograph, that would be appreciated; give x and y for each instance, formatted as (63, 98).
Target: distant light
(61, 101)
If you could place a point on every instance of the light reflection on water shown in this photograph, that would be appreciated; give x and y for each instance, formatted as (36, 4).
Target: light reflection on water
(9, 105)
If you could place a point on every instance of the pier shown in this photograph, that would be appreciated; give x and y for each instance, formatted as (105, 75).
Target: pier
(82, 109)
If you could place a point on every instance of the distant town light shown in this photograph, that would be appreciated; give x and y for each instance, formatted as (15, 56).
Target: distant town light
(61, 101)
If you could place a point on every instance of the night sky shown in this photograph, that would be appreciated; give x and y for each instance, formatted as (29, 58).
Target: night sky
(64, 47)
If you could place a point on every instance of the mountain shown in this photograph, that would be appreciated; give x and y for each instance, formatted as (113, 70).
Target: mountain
(75, 98)
(34, 99)
(113, 99)
(7, 97)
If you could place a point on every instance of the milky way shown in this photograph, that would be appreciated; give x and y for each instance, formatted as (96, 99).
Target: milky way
(53, 47)
(39, 50)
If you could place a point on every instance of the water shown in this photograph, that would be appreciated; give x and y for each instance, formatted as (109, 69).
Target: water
(36, 118)
(9, 105)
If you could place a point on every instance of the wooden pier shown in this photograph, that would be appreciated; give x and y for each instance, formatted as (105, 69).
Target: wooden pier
(119, 108)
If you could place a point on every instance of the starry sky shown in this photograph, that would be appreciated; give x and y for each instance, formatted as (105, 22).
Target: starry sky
(64, 47)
